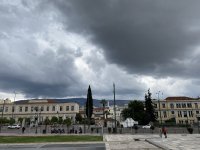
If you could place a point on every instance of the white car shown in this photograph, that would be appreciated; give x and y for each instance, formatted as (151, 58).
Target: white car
(148, 126)
(14, 126)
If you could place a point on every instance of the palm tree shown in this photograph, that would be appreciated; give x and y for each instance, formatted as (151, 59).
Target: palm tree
(104, 102)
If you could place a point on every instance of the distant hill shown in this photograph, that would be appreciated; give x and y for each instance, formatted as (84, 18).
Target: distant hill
(82, 101)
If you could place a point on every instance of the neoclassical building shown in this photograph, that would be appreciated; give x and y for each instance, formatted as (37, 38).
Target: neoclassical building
(184, 110)
(38, 108)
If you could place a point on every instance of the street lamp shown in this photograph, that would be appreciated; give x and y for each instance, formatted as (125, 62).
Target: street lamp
(115, 129)
(13, 104)
(36, 119)
(158, 93)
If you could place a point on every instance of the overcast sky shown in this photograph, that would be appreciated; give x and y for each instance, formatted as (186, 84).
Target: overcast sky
(56, 48)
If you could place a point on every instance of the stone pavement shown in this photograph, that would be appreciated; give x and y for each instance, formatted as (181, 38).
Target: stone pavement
(152, 142)
(129, 142)
(178, 142)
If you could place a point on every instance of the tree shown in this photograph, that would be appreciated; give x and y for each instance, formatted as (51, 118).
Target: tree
(20, 120)
(27, 121)
(11, 121)
(78, 117)
(60, 120)
(126, 113)
(4, 120)
(47, 121)
(89, 105)
(104, 102)
(68, 123)
(135, 111)
(150, 111)
(54, 119)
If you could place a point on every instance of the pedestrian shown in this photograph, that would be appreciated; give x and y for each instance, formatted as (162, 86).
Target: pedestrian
(23, 129)
(80, 130)
(164, 130)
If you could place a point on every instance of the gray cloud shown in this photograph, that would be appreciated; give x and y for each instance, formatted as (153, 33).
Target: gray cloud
(145, 37)
(57, 48)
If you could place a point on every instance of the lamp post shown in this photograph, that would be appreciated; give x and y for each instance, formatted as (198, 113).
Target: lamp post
(36, 119)
(115, 129)
(13, 105)
(159, 107)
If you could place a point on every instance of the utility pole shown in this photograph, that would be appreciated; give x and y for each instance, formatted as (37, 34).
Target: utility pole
(159, 106)
(13, 105)
(115, 129)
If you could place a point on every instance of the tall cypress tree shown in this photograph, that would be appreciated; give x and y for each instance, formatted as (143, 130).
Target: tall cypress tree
(150, 111)
(89, 105)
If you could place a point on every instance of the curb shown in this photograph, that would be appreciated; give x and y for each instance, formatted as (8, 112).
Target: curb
(157, 144)
(51, 143)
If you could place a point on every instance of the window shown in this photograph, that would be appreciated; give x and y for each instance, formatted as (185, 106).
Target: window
(47, 108)
(196, 105)
(72, 108)
(26, 108)
(197, 112)
(185, 113)
(156, 113)
(20, 108)
(190, 114)
(178, 105)
(61, 108)
(42, 108)
(13, 108)
(189, 105)
(163, 105)
(171, 105)
(183, 105)
(172, 112)
(32, 108)
(53, 108)
(179, 114)
(155, 105)
(36, 108)
(6, 109)
(67, 108)
(165, 114)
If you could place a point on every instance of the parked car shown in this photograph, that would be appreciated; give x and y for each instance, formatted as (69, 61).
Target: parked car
(148, 126)
(14, 126)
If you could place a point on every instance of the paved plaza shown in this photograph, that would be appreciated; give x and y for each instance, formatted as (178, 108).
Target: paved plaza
(153, 142)
(125, 142)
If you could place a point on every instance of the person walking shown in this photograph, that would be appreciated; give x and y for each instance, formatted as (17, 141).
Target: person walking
(164, 131)
(23, 129)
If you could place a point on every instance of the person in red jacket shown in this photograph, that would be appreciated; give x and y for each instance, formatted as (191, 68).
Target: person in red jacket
(164, 131)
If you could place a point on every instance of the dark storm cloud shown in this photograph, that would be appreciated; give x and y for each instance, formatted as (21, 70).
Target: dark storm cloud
(56, 48)
(49, 75)
(146, 37)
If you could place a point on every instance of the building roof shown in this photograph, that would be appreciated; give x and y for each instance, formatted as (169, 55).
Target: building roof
(41, 101)
(100, 108)
(179, 98)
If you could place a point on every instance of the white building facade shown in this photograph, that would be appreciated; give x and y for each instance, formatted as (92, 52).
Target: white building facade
(40, 108)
